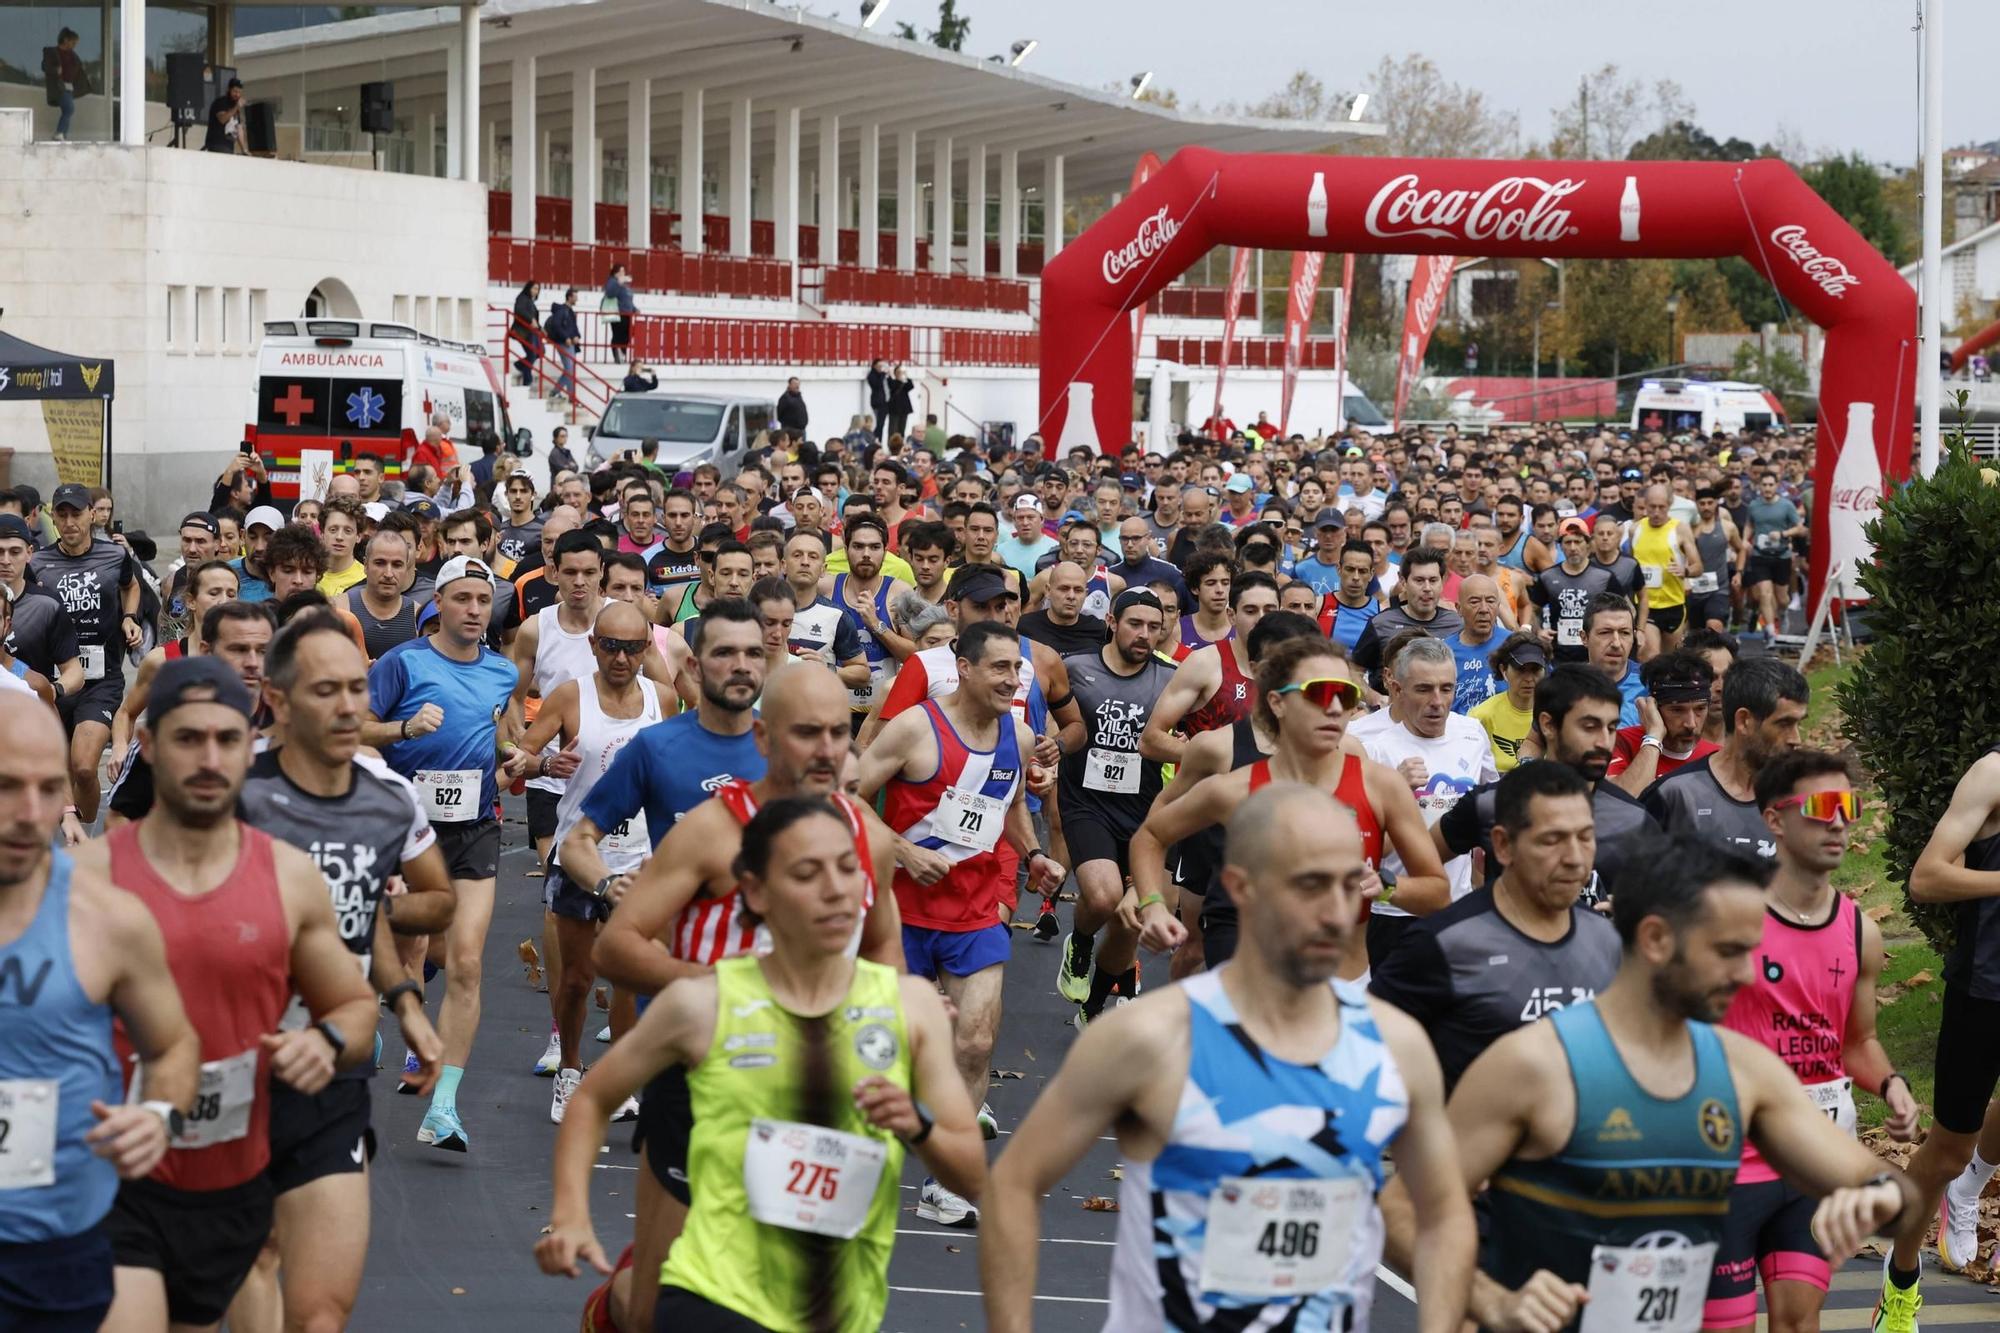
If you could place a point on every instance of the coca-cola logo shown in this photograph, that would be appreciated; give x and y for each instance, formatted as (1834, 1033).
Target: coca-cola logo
(1516, 208)
(1858, 499)
(1827, 272)
(1432, 296)
(1152, 237)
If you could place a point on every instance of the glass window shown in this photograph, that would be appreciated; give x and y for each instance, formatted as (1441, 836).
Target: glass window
(56, 61)
(636, 417)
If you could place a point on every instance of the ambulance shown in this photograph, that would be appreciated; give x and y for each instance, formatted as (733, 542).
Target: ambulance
(330, 389)
(1681, 407)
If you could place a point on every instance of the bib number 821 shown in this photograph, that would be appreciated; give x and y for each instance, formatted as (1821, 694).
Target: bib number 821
(1289, 1240)
(813, 1180)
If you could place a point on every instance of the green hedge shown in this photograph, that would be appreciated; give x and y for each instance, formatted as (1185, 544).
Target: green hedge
(1921, 705)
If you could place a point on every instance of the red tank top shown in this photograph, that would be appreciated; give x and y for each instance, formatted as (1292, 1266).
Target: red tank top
(1230, 701)
(969, 895)
(230, 952)
(1352, 792)
(178, 648)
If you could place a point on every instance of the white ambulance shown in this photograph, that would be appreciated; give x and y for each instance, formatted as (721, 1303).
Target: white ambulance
(1681, 407)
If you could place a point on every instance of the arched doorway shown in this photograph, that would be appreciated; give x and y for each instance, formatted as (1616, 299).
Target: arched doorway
(331, 298)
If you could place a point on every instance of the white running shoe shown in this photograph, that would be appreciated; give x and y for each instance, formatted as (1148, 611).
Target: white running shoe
(628, 1111)
(1958, 1222)
(566, 1083)
(604, 1033)
(551, 1058)
(937, 1204)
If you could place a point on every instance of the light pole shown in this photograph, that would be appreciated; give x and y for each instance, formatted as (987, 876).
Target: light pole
(1673, 329)
(1536, 400)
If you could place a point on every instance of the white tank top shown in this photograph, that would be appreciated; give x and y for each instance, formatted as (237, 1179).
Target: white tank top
(559, 656)
(599, 739)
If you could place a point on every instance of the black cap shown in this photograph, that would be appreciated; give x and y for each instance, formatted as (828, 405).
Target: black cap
(977, 583)
(71, 494)
(1329, 518)
(424, 508)
(196, 680)
(1528, 654)
(13, 525)
(202, 520)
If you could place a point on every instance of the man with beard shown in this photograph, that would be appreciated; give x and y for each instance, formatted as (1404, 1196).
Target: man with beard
(863, 592)
(1577, 1107)
(1673, 712)
(1714, 800)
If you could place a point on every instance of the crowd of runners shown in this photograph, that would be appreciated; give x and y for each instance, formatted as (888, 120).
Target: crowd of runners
(1497, 882)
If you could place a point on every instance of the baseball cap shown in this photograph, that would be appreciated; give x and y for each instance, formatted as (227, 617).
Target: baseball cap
(186, 680)
(1133, 481)
(977, 583)
(1239, 483)
(424, 508)
(462, 567)
(1569, 525)
(1528, 654)
(72, 495)
(1052, 473)
(13, 525)
(267, 515)
(205, 521)
(1329, 519)
(1025, 502)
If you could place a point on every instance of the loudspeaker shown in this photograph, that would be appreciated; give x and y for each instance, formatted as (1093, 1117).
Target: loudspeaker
(378, 108)
(260, 128)
(188, 93)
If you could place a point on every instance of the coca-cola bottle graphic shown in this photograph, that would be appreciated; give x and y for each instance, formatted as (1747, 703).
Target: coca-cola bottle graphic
(1857, 495)
(1316, 206)
(1079, 424)
(1628, 211)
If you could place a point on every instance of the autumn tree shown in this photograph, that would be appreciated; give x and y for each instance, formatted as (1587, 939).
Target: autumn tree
(1612, 111)
(1855, 190)
(950, 33)
(1424, 114)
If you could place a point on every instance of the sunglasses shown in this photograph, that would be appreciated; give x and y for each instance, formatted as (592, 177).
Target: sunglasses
(1822, 806)
(622, 647)
(1321, 691)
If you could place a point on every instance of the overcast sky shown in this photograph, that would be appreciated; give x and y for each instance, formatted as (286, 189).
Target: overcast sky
(1838, 74)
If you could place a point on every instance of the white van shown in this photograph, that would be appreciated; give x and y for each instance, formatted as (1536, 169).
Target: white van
(328, 389)
(1678, 407)
(692, 428)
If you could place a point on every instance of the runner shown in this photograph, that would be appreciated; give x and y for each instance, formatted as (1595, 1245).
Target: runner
(1608, 636)
(210, 585)
(1106, 788)
(1273, 1074)
(1422, 585)
(861, 1068)
(1668, 559)
(1061, 623)
(1211, 687)
(97, 582)
(41, 632)
(1210, 578)
(1672, 715)
(1721, 550)
(863, 595)
(1774, 522)
(819, 628)
(956, 771)
(437, 709)
(1304, 699)
(1346, 611)
(1593, 1100)
(360, 823)
(1812, 1002)
(77, 952)
(1714, 799)
(1564, 591)
(1518, 665)
(185, 1237)
(387, 616)
(521, 525)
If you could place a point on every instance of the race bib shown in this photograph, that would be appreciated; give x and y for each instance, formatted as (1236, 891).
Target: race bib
(92, 657)
(625, 846)
(1111, 771)
(1836, 1098)
(221, 1111)
(449, 795)
(1569, 633)
(1648, 1290)
(810, 1178)
(1708, 582)
(1773, 543)
(1654, 575)
(969, 819)
(27, 1133)
(1269, 1239)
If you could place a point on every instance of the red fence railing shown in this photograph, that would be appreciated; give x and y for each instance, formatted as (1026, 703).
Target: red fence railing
(673, 340)
(946, 291)
(560, 264)
(1253, 353)
(1201, 303)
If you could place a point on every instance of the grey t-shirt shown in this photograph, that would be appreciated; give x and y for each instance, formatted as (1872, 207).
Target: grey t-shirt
(1771, 519)
(1690, 803)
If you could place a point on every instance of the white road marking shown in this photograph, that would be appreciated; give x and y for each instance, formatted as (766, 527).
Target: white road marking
(1046, 1240)
(943, 1291)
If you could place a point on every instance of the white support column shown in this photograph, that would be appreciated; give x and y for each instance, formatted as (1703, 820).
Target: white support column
(454, 105)
(739, 176)
(1010, 213)
(639, 164)
(132, 73)
(583, 155)
(545, 149)
(829, 189)
(489, 162)
(785, 185)
(1052, 207)
(468, 111)
(691, 170)
(427, 151)
(868, 202)
(906, 201)
(975, 210)
(941, 205)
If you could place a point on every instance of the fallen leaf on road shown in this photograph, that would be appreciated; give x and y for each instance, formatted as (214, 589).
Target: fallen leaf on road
(1881, 913)
(1118, 1173)
(1008, 1073)
(458, 1291)
(1097, 1203)
(1918, 979)
(951, 1249)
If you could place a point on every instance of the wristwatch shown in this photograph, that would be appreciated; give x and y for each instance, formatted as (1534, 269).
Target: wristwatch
(603, 886)
(398, 991)
(925, 1123)
(1653, 741)
(170, 1116)
(334, 1036)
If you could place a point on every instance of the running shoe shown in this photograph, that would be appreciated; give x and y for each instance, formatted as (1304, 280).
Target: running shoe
(604, 1033)
(1958, 1223)
(413, 1067)
(1047, 927)
(937, 1204)
(1896, 1312)
(441, 1129)
(378, 1050)
(566, 1081)
(551, 1058)
(989, 1124)
(628, 1110)
(1073, 969)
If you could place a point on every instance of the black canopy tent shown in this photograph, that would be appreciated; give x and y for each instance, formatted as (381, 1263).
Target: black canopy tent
(34, 374)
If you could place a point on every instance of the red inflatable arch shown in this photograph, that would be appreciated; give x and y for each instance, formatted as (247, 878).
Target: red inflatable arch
(1583, 210)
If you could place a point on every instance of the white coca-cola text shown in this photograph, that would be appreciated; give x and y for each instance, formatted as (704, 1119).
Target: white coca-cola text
(1829, 273)
(1858, 499)
(1431, 297)
(1516, 208)
(1152, 237)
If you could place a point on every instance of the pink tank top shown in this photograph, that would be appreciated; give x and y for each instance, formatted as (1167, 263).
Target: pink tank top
(1799, 1003)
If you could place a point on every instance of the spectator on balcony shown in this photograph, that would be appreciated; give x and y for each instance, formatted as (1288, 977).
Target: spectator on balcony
(792, 408)
(568, 339)
(618, 301)
(899, 401)
(1266, 429)
(64, 71)
(225, 121)
(527, 331)
(878, 398)
(638, 379)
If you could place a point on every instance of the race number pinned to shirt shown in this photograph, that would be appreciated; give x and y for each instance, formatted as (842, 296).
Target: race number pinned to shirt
(221, 1112)
(92, 657)
(28, 1133)
(449, 795)
(810, 1178)
(624, 847)
(1646, 1290)
(1111, 771)
(1269, 1238)
(1654, 575)
(1708, 582)
(1569, 633)
(1836, 1098)
(970, 819)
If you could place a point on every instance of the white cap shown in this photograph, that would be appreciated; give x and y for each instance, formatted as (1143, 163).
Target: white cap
(265, 514)
(376, 510)
(1025, 501)
(462, 567)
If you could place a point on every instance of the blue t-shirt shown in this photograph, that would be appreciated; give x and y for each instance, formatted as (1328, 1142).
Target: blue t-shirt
(1323, 579)
(1475, 677)
(1349, 621)
(1021, 556)
(1633, 689)
(667, 770)
(472, 695)
(249, 588)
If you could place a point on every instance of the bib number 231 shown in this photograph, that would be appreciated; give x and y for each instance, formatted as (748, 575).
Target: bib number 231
(1646, 1289)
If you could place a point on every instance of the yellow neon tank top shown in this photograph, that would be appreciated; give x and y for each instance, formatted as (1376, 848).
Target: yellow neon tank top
(1655, 549)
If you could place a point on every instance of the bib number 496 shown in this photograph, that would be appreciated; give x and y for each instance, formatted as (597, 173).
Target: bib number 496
(1289, 1240)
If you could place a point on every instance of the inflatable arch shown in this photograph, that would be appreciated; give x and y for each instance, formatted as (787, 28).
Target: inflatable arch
(1579, 210)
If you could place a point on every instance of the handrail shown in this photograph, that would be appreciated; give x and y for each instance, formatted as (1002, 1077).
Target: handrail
(588, 390)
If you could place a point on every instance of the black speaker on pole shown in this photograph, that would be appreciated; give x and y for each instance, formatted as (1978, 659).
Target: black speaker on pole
(378, 108)
(260, 128)
(187, 87)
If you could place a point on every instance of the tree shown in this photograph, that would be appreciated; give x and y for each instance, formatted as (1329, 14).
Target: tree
(1303, 97)
(1855, 190)
(1611, 112)
(950, 33)
(1684, 141)
(1780, 372)
(1425, 114)
(1613, 315)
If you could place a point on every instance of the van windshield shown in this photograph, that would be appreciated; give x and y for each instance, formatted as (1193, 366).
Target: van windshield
(1360, 412)
(671, 420)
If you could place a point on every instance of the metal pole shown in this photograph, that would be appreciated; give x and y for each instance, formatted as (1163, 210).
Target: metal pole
(1535, 411)
(1932, 316)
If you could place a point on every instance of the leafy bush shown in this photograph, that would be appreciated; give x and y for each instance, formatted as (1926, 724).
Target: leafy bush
(1920, 706)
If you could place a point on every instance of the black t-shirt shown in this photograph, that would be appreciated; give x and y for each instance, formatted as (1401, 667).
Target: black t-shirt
(1391, 621)
(1087, 635)
(1620, 822)
(668, 571)
(42, 634)
(217, 140)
